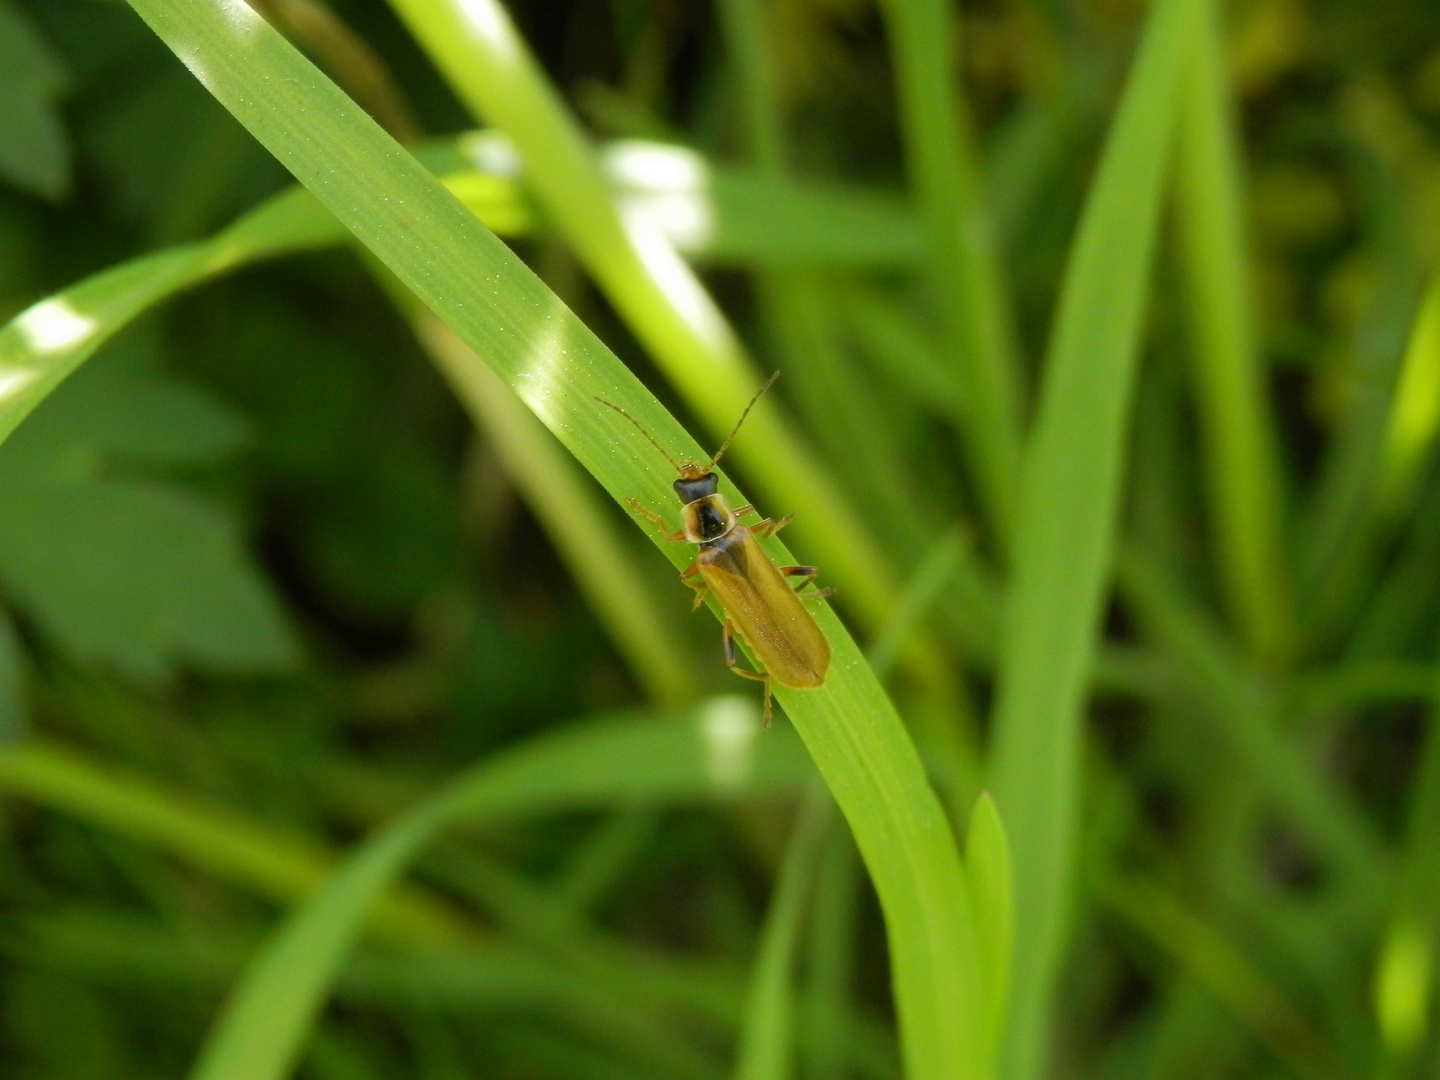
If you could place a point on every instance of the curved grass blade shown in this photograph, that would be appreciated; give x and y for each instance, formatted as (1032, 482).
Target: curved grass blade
(754, 219)
(1242, 469)
(475, 284)
(1405, 964)
(261, 1032)
(270, 862)
(828, 1013)
(99, 307)
(967, 290)
(988, 872)
(1065, 535)
(687, 758)
(1414, 417)
(928, 580)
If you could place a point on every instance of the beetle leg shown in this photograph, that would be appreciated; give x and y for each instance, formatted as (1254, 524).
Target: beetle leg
(807, 574)
(656, 520)
(688, 576)
(746, 509)
(727, 638)
(770, 528)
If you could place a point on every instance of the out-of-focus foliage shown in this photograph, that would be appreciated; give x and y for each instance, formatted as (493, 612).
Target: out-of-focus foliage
(115, 564)
(34, 146)
(266, 586)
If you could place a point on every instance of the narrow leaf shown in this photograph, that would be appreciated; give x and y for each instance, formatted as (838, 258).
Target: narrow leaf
(1066, 523)
(988, 873)
(1242, 469)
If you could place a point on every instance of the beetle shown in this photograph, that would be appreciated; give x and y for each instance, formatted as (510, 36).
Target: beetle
(757, 597)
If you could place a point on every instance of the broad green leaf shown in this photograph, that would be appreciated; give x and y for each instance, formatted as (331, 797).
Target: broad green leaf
(34, 148)
(557, 366)
(1068, 505)
(126, 410)
(139, 575)
(126, 569)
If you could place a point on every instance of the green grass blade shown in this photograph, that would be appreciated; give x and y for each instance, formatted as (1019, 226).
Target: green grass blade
(755, 219)
(967, 289)
(683, 760)
(50, 339)
(778, 221)
(989, 874)
(766, 1037)
(936, 570)
(1242, 470)
(822, 379)
(1066, 524)
(1405, 967)
(473, 980)
(489, 66)
(270, 862)
(475, 284)
(1340, 535)
(262, 1029)
(829, 1014)
(1415, 412)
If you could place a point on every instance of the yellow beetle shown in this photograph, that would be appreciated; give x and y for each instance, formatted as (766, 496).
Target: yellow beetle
(757, 597)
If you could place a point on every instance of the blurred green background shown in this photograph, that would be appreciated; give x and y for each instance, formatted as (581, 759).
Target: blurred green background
(264, 584)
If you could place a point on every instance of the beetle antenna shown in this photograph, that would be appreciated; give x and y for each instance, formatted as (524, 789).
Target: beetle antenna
(736, 430)
(642, 431)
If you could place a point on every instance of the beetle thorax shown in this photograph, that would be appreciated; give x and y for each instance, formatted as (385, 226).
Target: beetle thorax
(706, 519)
